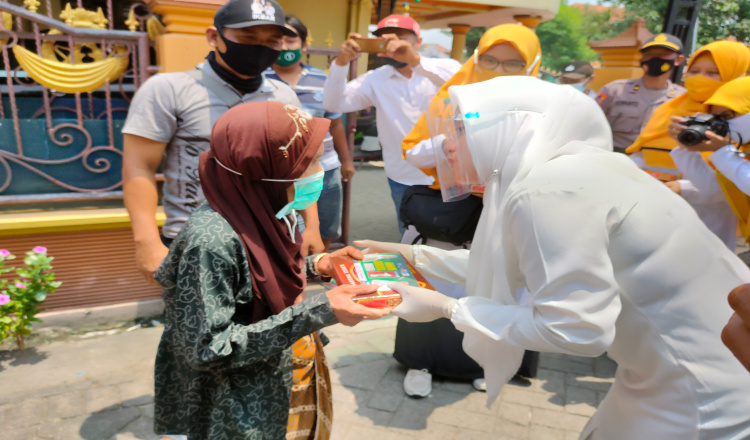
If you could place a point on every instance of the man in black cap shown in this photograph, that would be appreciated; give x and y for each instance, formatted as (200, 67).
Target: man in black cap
(172, 114)
(578, 74)
(629, 103)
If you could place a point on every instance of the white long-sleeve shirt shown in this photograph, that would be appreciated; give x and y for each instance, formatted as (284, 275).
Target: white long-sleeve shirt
(701, 189)
(733, 167)
(399, 102)
(607, 272)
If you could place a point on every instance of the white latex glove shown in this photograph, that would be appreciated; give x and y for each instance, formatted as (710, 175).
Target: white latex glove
(421, 305)
(376, 247)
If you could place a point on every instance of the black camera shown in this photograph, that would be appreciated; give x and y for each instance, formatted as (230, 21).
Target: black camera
(695, 133)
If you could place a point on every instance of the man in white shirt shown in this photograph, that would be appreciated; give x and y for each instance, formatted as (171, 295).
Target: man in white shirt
(400, 92)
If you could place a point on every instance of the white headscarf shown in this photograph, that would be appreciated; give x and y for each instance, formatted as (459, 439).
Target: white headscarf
(522, 122)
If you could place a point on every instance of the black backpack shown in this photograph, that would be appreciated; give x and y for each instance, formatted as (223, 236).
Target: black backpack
(452, 222)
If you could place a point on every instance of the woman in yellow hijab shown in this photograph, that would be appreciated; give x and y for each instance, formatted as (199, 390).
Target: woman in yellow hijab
(709, 68)
(436, 347)
(506, 49)
(731, 177)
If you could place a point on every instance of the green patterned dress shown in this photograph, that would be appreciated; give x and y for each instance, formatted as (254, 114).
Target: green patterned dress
(218, 376)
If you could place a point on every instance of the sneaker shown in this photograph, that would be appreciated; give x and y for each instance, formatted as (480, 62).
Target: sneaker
(480, 384)
(418, 383)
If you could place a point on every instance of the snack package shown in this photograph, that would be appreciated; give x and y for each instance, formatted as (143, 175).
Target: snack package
(378, 269)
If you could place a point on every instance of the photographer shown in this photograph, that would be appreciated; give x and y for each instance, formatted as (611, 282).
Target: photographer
(712, 66)
(732, 183)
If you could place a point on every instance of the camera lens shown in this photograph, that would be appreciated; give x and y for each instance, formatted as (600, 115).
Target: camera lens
(692, 136)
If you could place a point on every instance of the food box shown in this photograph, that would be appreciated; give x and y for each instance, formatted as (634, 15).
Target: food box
(378, 269)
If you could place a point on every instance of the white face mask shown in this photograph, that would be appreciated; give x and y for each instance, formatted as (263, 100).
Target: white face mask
(739, 129)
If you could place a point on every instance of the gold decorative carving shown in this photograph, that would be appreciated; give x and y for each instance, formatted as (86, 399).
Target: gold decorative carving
(32, 5)
(82, 18)
(131, 22)
(329, 40)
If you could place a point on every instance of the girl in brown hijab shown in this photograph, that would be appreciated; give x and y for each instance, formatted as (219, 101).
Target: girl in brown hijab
(236, 324)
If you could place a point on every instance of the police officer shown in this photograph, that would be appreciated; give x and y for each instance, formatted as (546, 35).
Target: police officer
(629, 103)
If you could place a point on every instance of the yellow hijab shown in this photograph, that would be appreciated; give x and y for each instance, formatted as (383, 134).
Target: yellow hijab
(523, 39)
(732, 59)
(735, 95)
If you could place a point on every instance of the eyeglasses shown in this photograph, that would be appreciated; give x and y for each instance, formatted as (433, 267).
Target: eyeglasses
(510, 66)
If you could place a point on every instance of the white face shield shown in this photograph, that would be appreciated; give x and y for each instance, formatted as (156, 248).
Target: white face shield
(455, 137)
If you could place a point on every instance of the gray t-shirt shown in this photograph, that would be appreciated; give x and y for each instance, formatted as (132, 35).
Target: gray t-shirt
(175, 109)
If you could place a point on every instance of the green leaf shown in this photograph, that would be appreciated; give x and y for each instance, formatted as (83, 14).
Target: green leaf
(40, 296)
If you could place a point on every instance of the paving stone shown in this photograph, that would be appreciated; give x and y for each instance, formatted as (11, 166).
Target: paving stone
(548, 381)
(463, 419)
(65, 405)
(568, 364)
(551, 402)
(457, 386)
(477, 401)
(384, 344)
(147, 410)
(27, 413)
(412, 415)
(538, 432)
(139, 429)
(515, 413)
(443, 398)
(439, 431)
(509, 429)
(349, 396)
(580, 401)
(102, 399)
(572, 435)
(136, 393)
(372, 356)
(103, 425)
(26, 433)
(388, 396)
(553, 419)
(358, 348)
(590, 382)
(63, 429)
(365, 376)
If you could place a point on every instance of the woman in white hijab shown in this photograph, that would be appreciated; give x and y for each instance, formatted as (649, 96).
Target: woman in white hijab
(612, 260)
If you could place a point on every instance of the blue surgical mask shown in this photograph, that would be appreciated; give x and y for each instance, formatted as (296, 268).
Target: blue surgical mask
(306, 192)
(580, 87)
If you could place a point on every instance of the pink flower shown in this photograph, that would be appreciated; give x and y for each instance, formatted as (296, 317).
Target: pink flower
(40, 249)
(4, 299)
(20, 285)
(4, 253)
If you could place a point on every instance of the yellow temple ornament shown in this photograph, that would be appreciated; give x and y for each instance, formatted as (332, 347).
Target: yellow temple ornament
(70, 78)
(90, 70)
(154, 27)
(7, 23)
(131, 22)
(329, 40)
(32, 5)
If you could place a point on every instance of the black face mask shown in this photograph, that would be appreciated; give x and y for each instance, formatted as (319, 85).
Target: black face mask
(248, 59)
(394, 63)
(243, 85)
(657, 66)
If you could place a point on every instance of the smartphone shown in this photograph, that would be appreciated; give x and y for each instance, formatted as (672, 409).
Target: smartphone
(371, 45)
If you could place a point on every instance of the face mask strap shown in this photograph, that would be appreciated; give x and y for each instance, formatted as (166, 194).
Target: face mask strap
(531, 67)
(292, 227)
(227, 168)
(476, 60)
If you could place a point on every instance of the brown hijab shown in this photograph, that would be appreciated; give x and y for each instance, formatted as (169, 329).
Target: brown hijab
(250, 142)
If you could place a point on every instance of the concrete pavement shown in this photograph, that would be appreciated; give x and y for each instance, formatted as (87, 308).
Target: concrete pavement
(99, 386)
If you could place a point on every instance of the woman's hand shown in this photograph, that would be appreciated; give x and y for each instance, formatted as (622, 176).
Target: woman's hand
(324, 266)
(713, 143)
(421, 305)
(674, 186)
(347, 311)
(379, 247)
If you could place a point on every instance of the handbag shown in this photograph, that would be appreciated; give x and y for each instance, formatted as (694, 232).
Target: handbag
(452, 222)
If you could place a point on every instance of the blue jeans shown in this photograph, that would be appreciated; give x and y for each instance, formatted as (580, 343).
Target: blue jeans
(397, 193)
(329, 205)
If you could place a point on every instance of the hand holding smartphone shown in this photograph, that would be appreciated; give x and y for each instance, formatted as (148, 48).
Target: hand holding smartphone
(371, 45)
